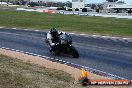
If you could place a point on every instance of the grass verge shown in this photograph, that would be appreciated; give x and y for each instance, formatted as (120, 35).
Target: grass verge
(15, 73)
(84, 24)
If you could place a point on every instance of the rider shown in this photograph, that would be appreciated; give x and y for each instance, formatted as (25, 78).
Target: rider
(53, 37)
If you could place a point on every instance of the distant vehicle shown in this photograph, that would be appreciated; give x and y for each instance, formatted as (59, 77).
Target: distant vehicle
(64, 46)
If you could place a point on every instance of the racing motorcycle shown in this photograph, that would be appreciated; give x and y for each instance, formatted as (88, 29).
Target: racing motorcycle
(64, 46)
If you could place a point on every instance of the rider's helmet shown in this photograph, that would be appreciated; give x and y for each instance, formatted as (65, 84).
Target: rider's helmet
(53, 32)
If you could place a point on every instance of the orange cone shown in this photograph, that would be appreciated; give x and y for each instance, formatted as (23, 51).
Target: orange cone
(85, 73)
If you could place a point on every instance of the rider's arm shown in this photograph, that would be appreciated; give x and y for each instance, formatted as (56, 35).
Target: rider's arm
(49, 38)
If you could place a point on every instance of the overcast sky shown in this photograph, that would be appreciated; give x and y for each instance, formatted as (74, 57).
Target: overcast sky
(98, 1)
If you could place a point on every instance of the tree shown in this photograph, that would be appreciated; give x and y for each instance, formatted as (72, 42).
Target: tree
(93, 6)
(84, 10)
(111, 0)
(32, 4)
(61, 8)
(68, 4)
(99, 6)
(69, 9)
(121, 2)
(76, 9)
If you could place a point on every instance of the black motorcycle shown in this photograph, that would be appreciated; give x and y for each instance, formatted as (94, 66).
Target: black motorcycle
(64, 46)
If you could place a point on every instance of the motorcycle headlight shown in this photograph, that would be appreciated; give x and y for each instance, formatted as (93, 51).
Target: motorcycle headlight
(63, 42)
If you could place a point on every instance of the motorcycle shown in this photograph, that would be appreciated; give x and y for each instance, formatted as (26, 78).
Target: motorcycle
(64, 46)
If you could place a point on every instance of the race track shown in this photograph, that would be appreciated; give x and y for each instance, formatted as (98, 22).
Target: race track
(106, 54)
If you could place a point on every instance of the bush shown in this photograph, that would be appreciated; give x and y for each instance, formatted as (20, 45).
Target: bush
(76, 9)
(130, 11)
(69, 9)
(32, 4)
(97, 10)
(61, 8)
(84, 10)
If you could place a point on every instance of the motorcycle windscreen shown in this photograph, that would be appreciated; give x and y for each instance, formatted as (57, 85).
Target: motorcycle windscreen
(66, 39)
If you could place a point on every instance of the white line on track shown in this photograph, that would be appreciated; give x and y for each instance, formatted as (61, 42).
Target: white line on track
(87, 68)
(9, 33)
(71, 33)
(21, 51)
(57, 59)
(14, 28)
(37, 30)
(85, 35)
(47, 57)
(25, 29)
(82, 34)
(51, 58)
(64, 61)
(60, 60)
(39, 55)
(12, 49)
(19, 35)
(44, 56)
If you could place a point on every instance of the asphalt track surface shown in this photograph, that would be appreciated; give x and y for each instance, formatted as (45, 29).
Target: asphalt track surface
(109, 55)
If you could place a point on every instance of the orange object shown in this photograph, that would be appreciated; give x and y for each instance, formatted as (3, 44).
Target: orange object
(85, 80)
(50, 11)
(85, 73)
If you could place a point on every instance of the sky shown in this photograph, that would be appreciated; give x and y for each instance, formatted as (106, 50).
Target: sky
(98, 1)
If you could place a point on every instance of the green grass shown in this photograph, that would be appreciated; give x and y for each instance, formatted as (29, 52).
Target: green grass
(84, 24)
(17, 74)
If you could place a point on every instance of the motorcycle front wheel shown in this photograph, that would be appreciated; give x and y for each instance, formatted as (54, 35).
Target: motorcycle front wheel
(74, 52)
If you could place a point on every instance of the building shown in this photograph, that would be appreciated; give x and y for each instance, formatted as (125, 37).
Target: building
(110, 4)
(111, 7)
(122, 8)
(78, 4)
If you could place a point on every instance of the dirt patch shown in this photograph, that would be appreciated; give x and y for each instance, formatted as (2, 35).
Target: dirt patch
(15, 73)
(76, 73)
